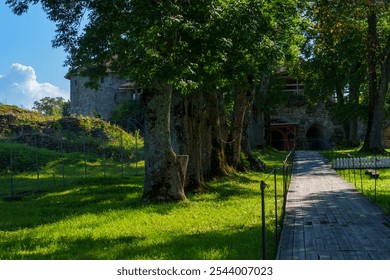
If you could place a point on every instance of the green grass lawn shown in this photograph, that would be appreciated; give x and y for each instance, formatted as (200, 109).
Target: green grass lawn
(104, 218)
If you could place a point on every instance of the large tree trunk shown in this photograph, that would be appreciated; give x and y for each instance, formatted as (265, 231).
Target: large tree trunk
(233, 147)
(214, 161)
(378, 90)
(164, 170)
(353, 138)
(373, 84)
(258, 124)
(188, 112)
(343, 118)
(243, 100)
(255, 163)
(195, 112)
(246, 130)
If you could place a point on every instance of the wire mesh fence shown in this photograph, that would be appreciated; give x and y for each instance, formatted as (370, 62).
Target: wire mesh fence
(33, 163)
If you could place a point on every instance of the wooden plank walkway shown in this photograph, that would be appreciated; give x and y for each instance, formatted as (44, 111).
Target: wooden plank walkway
(327, 219)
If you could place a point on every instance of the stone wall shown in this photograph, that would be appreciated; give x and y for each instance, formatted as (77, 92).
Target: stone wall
(101, 102)
(257, 129)
(315, 129)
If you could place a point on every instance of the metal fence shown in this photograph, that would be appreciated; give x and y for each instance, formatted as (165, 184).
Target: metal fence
(369, 175)
(272, 180)
(33, 165)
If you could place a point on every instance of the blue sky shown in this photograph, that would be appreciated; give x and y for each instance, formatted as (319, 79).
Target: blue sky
(30, 68)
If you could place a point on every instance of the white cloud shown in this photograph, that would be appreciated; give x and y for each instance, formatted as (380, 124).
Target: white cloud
(21, 87)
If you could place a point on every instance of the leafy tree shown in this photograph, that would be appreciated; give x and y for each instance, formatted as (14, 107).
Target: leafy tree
(334, 60)
(53, 106)
(378, 60)
(208, 46)
(349, 44)
(149, 42)
(261, 35)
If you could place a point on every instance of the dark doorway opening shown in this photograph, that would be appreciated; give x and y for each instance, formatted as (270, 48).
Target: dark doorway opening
(316, 138)
(283, 135)
(277, 140)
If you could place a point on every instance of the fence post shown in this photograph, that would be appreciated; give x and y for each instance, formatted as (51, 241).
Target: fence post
(361, 177)
(136, 151)
(286, 171)
(37, 162)
(11, 178)
(104, 158)
(375, 176)
(349, 169)
(284, 179)
(276, 211)
(122, 154)
(85, 156)
(354, 173)
(263, 229)
(62, 160)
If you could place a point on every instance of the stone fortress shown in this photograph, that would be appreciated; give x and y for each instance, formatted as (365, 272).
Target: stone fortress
(297, 124)
(112, 92)
(287, 126)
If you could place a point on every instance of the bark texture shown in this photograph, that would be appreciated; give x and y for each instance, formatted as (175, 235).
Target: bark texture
(353, 137)
(377, 88)
(214, 160)
(164, 170)
(233, 147)
(188, 112)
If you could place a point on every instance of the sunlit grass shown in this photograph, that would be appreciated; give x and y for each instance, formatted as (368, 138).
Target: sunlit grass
(376, 190)
(270, 156)
(97, 218)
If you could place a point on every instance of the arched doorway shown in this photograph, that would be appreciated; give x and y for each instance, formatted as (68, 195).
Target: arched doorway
(316, 137)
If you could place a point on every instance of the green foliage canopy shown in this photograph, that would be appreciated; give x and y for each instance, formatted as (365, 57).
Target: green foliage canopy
(52, 106)
(188, 44)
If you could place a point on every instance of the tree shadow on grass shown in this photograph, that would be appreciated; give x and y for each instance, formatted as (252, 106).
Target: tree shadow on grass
(93, 196)
(228, 244)
(233, 244)
(65, 248)
(230, 187)
(99, 196)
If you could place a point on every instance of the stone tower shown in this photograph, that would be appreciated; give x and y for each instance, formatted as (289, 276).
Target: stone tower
(112, 92)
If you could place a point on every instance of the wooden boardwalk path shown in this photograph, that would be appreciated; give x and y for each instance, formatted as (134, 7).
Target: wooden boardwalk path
(326, 218)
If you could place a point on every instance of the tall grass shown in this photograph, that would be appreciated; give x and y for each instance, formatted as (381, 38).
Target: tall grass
(97, 218)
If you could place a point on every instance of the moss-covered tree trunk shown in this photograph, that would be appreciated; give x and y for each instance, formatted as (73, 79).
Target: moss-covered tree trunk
(243, 101)
(378, 87)
(187, 113)
(164, 170)
(233, 147)
(255, 163)
(353, 139)
(214, 160)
